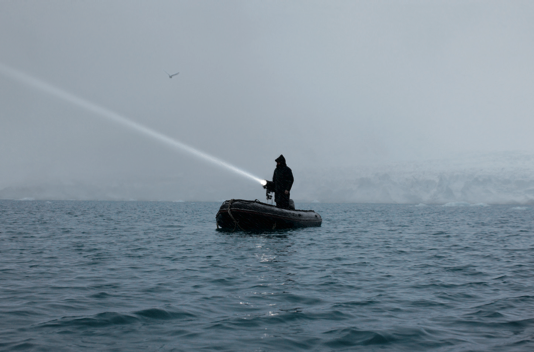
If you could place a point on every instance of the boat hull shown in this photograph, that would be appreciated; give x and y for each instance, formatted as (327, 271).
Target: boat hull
(246, 215)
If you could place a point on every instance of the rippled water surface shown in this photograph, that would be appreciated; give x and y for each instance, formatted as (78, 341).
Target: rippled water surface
(155, 276)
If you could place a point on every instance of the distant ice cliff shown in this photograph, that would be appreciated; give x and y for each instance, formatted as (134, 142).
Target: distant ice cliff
(491, 178)
(496, 178)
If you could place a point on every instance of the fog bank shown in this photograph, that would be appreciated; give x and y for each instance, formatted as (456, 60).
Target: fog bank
(355, 94)
(496, 178)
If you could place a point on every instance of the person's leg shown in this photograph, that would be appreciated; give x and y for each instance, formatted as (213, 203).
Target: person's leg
(283, 202)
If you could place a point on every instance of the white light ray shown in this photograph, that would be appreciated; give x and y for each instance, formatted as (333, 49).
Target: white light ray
(111, 115)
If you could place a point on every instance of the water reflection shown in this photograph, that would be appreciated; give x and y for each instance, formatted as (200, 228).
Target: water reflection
(269, 262)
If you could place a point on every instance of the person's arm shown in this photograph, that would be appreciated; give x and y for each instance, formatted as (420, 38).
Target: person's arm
(269, 186)
(288, 181)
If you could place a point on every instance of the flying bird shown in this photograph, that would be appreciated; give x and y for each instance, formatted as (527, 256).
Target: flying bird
(171, 76)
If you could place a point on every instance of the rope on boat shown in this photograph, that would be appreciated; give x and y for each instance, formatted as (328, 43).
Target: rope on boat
(236, 224)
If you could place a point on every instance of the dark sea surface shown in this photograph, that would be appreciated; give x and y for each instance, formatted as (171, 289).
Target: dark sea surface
(158, 276)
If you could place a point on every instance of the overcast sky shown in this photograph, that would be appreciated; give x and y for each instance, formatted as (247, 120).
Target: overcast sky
(326, 83)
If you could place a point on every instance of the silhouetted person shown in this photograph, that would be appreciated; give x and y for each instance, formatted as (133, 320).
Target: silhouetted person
(281, 184)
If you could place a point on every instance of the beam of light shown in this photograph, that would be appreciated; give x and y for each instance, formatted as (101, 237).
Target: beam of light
(113, 116)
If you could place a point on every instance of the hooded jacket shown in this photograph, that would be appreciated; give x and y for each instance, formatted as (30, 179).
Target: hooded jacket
(282, 180)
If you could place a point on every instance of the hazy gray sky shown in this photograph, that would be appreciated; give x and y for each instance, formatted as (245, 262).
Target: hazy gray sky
(326, 83)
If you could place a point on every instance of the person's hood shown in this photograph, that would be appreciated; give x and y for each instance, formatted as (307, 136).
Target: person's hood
(281, 160)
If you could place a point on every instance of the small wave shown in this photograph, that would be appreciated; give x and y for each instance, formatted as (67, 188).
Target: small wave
(112, 318)
(421, 205)
(428, 304)
(347, 337)
(351, 304)
(481, 320)
(23, 312)
(99, 320)
(23, 346)
(486, 314)
(480, 205)
(101, 295)
(301, 299)
(276, 317)
(162, 314)
(520, 208)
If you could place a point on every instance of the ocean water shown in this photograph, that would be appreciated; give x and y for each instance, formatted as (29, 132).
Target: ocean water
(158, 276)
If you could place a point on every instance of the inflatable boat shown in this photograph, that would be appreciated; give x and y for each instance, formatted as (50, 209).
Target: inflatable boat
(253, 215)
